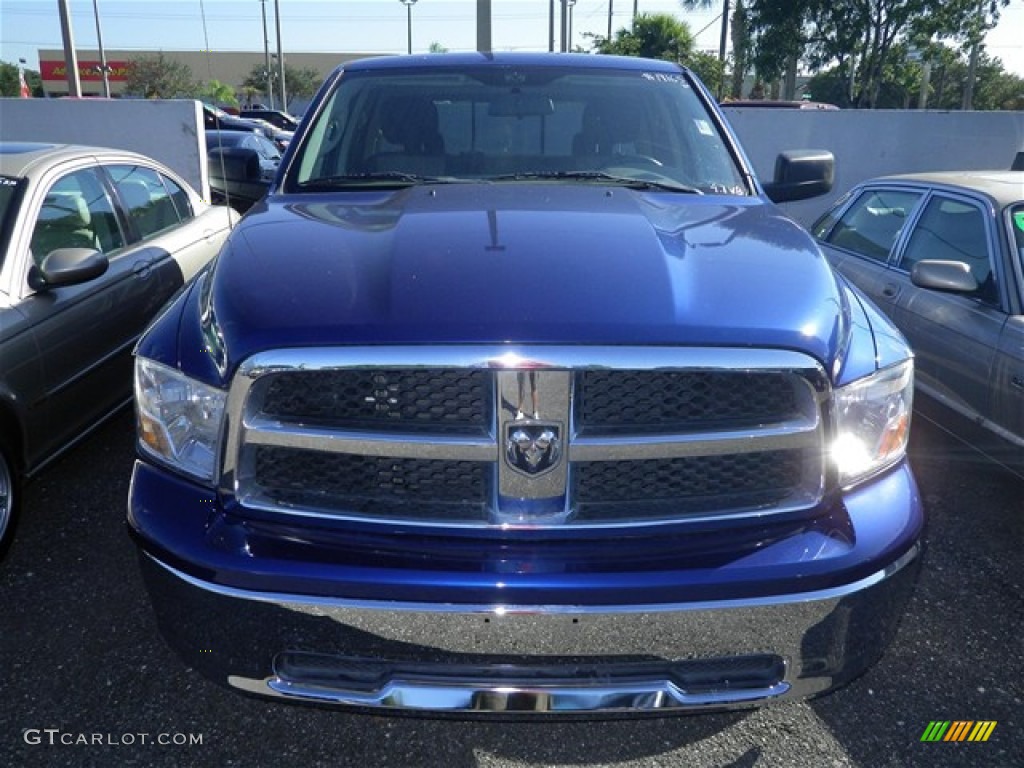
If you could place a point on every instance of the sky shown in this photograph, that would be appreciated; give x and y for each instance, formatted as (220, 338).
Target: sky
(377, 26)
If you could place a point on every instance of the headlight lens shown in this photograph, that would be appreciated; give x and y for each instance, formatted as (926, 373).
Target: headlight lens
(873, 422)
(179, 419)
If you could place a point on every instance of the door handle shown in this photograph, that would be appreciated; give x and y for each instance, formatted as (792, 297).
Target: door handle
(143, 268)
(1017, 381)
(891, 291)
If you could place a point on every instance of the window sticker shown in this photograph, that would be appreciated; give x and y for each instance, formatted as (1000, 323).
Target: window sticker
(664, 77)
(703, 127)
(1018, 219)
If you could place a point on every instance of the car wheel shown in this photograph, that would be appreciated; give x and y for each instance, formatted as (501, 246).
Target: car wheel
(10, 490)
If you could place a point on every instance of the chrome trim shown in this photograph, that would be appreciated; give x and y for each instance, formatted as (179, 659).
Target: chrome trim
(532, 384)
(320, 602)
(781, 437)
(528, 398)
(274, 433)
(523, 698)
(519, 660)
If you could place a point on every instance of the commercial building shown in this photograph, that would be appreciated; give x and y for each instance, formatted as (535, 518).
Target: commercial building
(230, 67)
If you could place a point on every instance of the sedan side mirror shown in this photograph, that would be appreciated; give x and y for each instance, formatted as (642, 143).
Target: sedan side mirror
(800, 174)
(949, 276)
(67, 266)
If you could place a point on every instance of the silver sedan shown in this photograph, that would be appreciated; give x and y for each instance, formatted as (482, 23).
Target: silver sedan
(93, 242)
(943, 255)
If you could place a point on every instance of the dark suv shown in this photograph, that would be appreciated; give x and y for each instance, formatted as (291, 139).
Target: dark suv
(275, 117)
(517, 394)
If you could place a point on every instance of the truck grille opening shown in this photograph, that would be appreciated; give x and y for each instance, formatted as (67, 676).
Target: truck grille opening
(546, 437)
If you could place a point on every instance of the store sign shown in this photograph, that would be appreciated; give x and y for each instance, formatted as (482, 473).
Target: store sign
(88, 71)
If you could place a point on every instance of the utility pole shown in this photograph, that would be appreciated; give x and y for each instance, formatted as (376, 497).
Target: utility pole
(551, 26)
(280, 57)
(725, 32)
(266, 56)
(483, 26)
(70, 57)
(610, 4)
(104, 69)
(565, 21)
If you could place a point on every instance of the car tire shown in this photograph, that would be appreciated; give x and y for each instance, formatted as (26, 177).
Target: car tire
(10, 496)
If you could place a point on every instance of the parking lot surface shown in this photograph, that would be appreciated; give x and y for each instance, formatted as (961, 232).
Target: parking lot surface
(88, 681)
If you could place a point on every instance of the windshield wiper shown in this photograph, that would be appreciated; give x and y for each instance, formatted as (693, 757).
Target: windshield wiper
(373, 178)
(625, 181)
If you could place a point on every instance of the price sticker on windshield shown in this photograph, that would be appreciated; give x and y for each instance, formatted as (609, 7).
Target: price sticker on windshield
(1018, 219)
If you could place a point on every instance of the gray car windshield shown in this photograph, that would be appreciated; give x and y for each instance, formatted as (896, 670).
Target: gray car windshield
(560, 125)
(8, 186)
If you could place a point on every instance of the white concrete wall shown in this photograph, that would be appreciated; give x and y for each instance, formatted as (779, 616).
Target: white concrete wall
(869, 143)
(865, 143)
(168, 131)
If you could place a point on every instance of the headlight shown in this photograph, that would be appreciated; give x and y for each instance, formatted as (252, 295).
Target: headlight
(179, 419)
(873, 422)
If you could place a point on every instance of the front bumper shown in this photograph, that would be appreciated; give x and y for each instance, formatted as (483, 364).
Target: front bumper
(475, 659)
(585, 659)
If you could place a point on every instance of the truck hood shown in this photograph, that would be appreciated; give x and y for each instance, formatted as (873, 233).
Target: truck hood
(521, 263)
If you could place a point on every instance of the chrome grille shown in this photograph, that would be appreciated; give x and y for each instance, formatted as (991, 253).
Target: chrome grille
(672, 401)
(532, 436)
(449, 401)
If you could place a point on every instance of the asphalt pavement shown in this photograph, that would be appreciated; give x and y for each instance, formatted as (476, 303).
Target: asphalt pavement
(86, 679)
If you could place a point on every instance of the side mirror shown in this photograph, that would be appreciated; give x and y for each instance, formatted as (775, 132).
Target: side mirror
(949, 276)
(800, 174)
(68, 266)
(227, 164)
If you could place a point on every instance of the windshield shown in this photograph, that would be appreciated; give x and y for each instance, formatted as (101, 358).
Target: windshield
(509, 124)
(8, 210)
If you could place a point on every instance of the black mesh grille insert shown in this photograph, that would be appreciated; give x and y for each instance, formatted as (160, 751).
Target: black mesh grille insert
(448, 401)
(607, 490)
(683, 401)
(430, 488)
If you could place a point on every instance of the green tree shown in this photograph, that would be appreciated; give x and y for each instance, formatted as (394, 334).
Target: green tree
(157, 77)
(10, 85)
(436, 47)
(299, 83)
(740, 34)
(709, 68)
(216, 92)
(652, 36)
(865, 37)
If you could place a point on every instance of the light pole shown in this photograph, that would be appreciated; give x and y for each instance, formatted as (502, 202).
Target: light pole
(571, 4)
(266, 56)
(408, 9)
(104, 69)
(280, 57)
(70, 56)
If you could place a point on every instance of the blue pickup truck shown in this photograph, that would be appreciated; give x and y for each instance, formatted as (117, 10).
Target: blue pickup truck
(517, 394)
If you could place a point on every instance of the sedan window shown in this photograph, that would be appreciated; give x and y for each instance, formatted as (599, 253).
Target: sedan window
(953, 230)
(872, 224)
(146, 199)
(1017, 217)
(76, 213)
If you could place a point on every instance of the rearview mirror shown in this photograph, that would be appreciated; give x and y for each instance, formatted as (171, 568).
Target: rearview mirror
(518, 104)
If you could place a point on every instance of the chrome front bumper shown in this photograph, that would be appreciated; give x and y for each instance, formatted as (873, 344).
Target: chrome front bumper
(531, 659)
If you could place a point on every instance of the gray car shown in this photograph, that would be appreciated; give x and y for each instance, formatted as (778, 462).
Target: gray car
(93, 242)
(943, 255)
